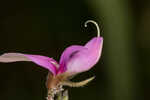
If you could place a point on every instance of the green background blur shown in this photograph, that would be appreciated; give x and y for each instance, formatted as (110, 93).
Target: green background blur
(47, 27)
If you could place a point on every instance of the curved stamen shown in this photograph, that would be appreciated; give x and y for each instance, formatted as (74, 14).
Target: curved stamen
(91, 21)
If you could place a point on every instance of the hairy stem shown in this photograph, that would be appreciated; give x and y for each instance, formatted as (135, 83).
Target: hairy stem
(63, 95)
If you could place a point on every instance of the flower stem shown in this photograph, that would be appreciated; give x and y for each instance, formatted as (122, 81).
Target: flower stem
(63, 95)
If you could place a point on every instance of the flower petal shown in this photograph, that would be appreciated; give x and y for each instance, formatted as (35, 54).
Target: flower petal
(67, 55)
(43, 61)
(86, 58)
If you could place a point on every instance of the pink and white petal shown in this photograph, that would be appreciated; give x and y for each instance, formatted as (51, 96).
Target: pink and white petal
(67, 55)
(95, 47)
(86, 58)
(43, 61)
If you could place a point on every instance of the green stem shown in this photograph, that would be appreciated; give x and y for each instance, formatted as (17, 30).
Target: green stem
(63, 95)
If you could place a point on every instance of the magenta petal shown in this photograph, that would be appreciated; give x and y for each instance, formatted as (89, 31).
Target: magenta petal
(86, 58)
(43, 61)
(95, 47)
(67, 55)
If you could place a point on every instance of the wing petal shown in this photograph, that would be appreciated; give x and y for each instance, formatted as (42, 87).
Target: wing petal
(43, 61)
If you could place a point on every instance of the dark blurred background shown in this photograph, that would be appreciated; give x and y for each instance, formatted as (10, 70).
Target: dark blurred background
(47, 27)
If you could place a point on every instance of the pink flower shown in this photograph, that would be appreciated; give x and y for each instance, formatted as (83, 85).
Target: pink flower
(75, 59)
